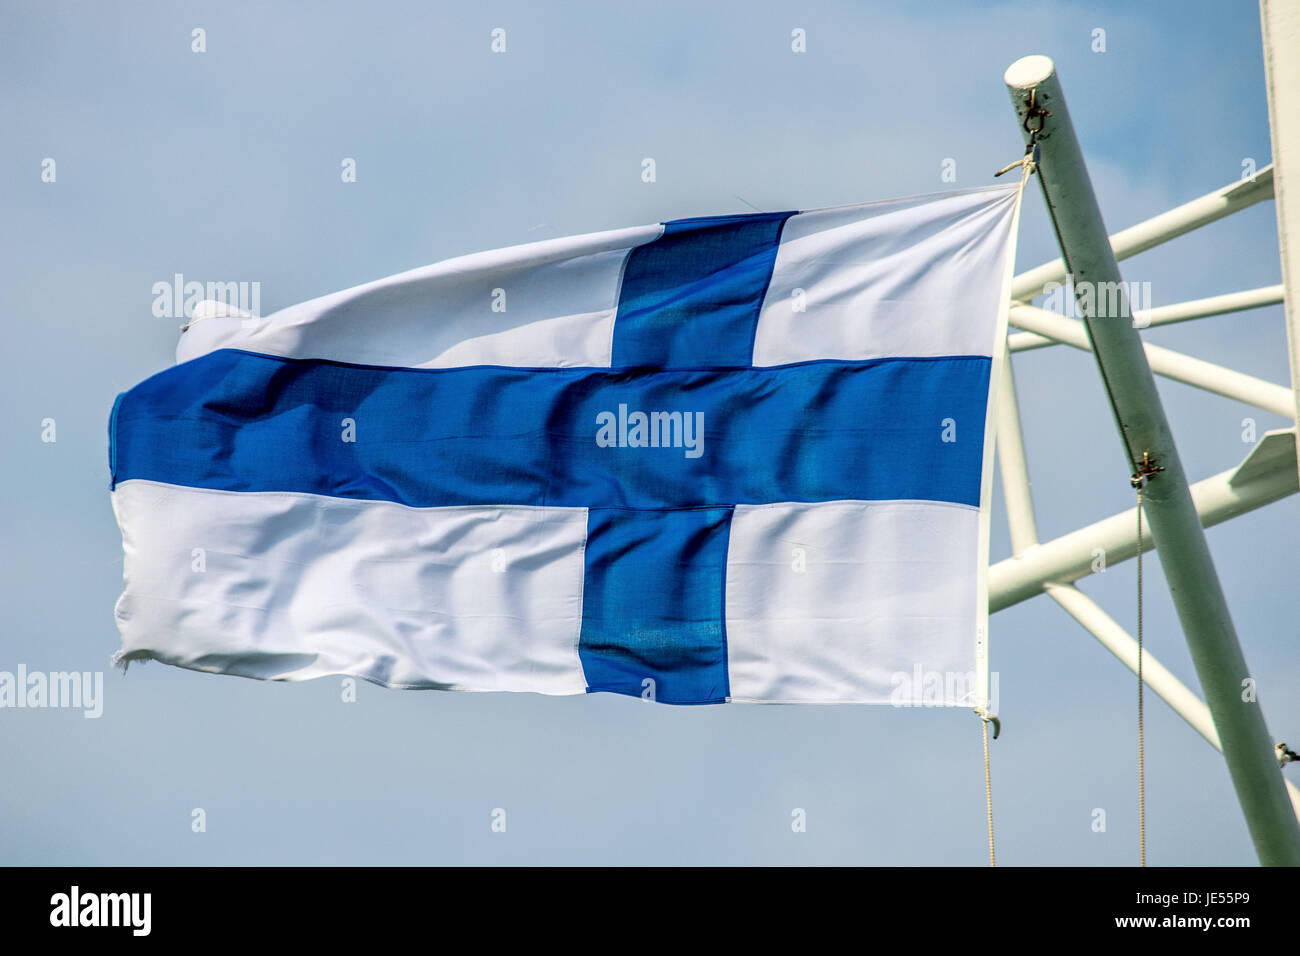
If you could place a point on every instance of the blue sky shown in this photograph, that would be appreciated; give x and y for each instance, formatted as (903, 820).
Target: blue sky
(225, 165)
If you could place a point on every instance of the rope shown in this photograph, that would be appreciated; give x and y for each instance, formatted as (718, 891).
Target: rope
(1028, 164)
(1142, 796)
(1149, 468)
(988, 790)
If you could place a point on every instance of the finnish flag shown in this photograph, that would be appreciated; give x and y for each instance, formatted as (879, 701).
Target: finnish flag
(738, 458)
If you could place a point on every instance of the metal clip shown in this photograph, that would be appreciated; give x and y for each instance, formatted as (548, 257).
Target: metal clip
(1034, 110)
(988, 718)
(1148, 469)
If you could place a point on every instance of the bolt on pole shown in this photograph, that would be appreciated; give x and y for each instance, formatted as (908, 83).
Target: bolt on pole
(1167, 501)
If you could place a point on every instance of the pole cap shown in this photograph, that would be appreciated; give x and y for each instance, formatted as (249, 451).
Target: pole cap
(1028, 72)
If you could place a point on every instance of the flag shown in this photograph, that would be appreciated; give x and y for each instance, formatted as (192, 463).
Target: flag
(736, 458)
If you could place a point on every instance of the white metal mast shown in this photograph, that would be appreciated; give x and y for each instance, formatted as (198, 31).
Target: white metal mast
(1280, 20)
(1233, 722)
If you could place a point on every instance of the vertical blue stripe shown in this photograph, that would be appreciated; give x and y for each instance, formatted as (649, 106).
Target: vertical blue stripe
(653, 600)
(652, 604)
(691, 298)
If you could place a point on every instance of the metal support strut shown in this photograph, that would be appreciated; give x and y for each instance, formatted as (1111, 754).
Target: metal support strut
(1167, 501)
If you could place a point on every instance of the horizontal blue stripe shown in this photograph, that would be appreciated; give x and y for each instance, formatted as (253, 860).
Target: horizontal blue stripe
(692, 296)
(815, 431)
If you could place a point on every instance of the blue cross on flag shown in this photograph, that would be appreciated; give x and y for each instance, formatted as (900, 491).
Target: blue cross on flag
(737, 458)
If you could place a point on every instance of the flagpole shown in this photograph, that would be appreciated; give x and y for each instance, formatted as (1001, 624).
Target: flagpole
(1167, 501)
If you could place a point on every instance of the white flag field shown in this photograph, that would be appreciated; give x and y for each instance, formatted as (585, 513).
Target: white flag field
(736, 458)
